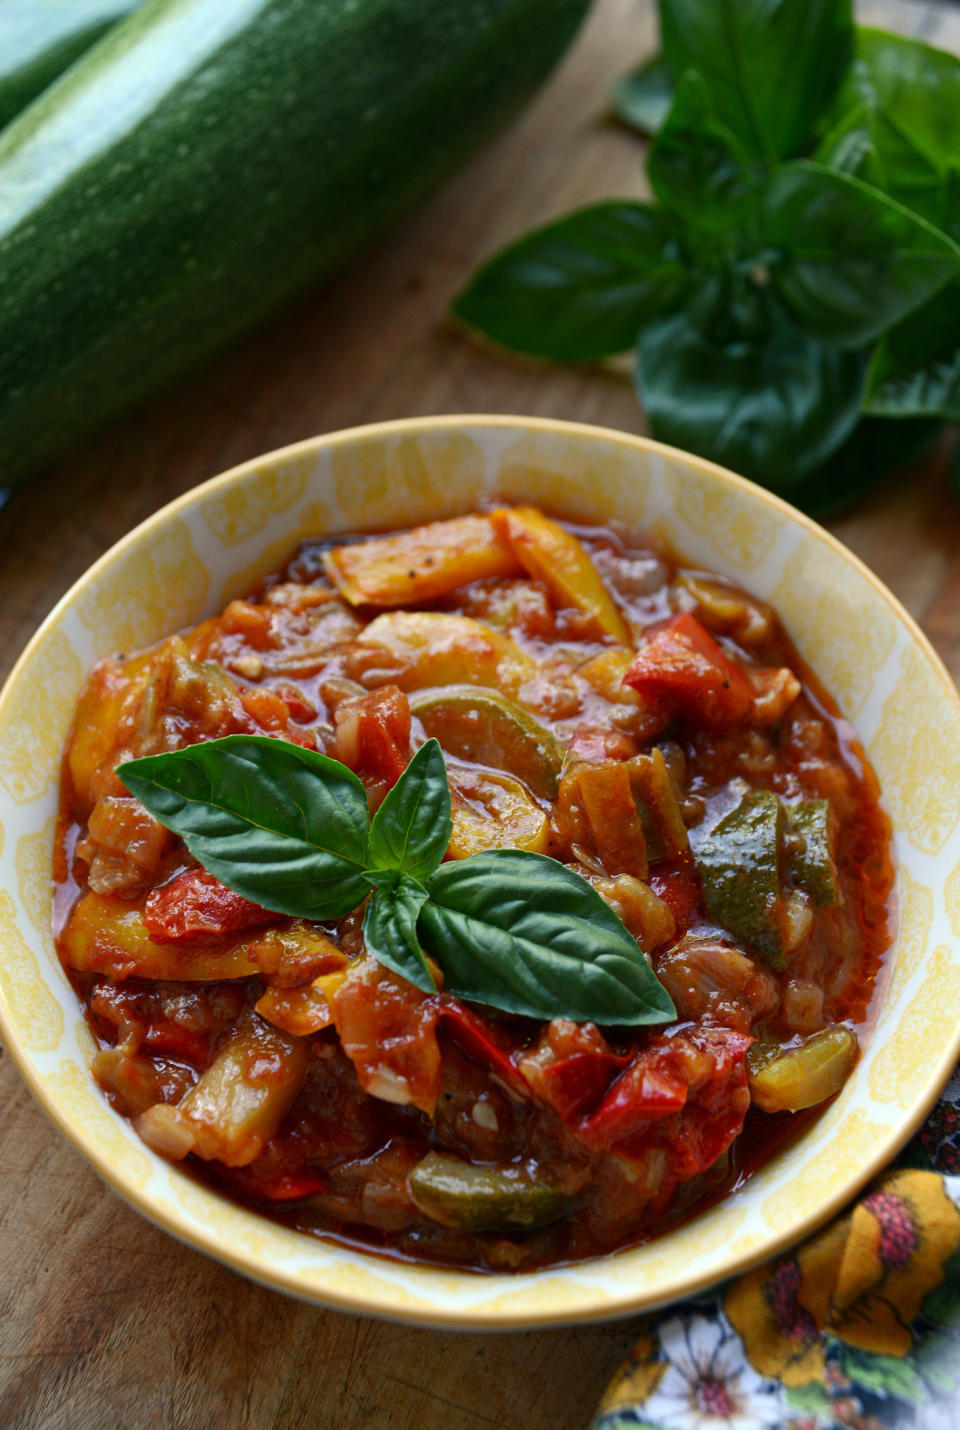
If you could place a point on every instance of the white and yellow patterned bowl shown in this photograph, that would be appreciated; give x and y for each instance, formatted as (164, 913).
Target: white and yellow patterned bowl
(188, 559)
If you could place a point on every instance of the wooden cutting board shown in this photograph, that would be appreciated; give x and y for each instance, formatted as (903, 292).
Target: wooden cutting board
(105, 1321)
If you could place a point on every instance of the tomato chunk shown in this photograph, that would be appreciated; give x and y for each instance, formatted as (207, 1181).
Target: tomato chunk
(676, 883)
(373, 733)
(272, 712)
(197, 905)
(653, 1086)
(387, 1029)
(575, 1085)
(686, 1095)
(684, 669)
(170, 1040)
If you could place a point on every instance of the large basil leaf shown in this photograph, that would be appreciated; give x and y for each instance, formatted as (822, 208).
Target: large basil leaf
(767, 400)
(642, 98)
(289, 828)
(697, 166)
(390, 931)
(772, 65)
(849, 261)
(525, 934)
(915, 369)
(913, 83)
(580, 288)
(284, 826)
(872, 145)
(412, 827)
(874, 451)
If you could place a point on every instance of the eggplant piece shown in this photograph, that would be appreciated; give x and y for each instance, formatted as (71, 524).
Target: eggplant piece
(433, 648)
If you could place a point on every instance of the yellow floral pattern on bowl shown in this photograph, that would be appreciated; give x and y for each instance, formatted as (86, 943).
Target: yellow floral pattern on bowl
(916, 922)
(921, 756)
(235, 513)
(217, 540)
(846, 655)
(36, 714)
(145, 589)
(735, 529)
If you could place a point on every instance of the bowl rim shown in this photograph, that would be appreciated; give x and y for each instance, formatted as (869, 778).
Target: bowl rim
(626, 1300)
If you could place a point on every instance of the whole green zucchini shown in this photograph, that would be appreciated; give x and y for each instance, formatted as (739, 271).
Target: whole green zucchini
(40, 38)
(206, 160)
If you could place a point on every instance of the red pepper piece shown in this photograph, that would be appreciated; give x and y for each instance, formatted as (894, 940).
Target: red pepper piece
(478, 1041)
(301, 709)
(281, 1187)
(684, 669)
(197, 905)
(575, 1085)
(676, 883)
(292, 1186)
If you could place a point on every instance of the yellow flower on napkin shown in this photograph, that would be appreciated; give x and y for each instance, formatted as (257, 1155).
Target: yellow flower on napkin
(863, 1279)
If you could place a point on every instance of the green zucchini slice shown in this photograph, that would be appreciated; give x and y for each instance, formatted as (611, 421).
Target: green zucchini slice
(739, 865)
(473, 723)
(471, 1198)
(813, 865)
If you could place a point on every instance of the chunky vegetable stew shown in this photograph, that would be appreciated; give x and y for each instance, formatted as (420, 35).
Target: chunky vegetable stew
(429, 1053)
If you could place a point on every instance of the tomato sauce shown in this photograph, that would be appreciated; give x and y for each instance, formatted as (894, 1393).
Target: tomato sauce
(650, 726)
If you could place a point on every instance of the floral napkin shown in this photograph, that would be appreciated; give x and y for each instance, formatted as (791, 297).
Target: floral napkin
(859, 1327)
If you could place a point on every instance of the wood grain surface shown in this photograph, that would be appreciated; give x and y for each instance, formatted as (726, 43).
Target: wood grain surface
(105, 1321)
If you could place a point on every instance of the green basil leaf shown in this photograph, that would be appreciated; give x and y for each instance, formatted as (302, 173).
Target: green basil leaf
(772, 65)
(770, 402)
(642, 98)
(913, 83)
(697, 166)
(281, 825)
(412, 827)
(874, 451)
(521, 932)
(390, 931)
(851, 262)
(915, 369)
(579, 288)
(872, 146)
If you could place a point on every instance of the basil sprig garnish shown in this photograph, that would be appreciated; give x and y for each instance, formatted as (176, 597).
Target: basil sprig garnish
(290, 829)
(792, 294)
